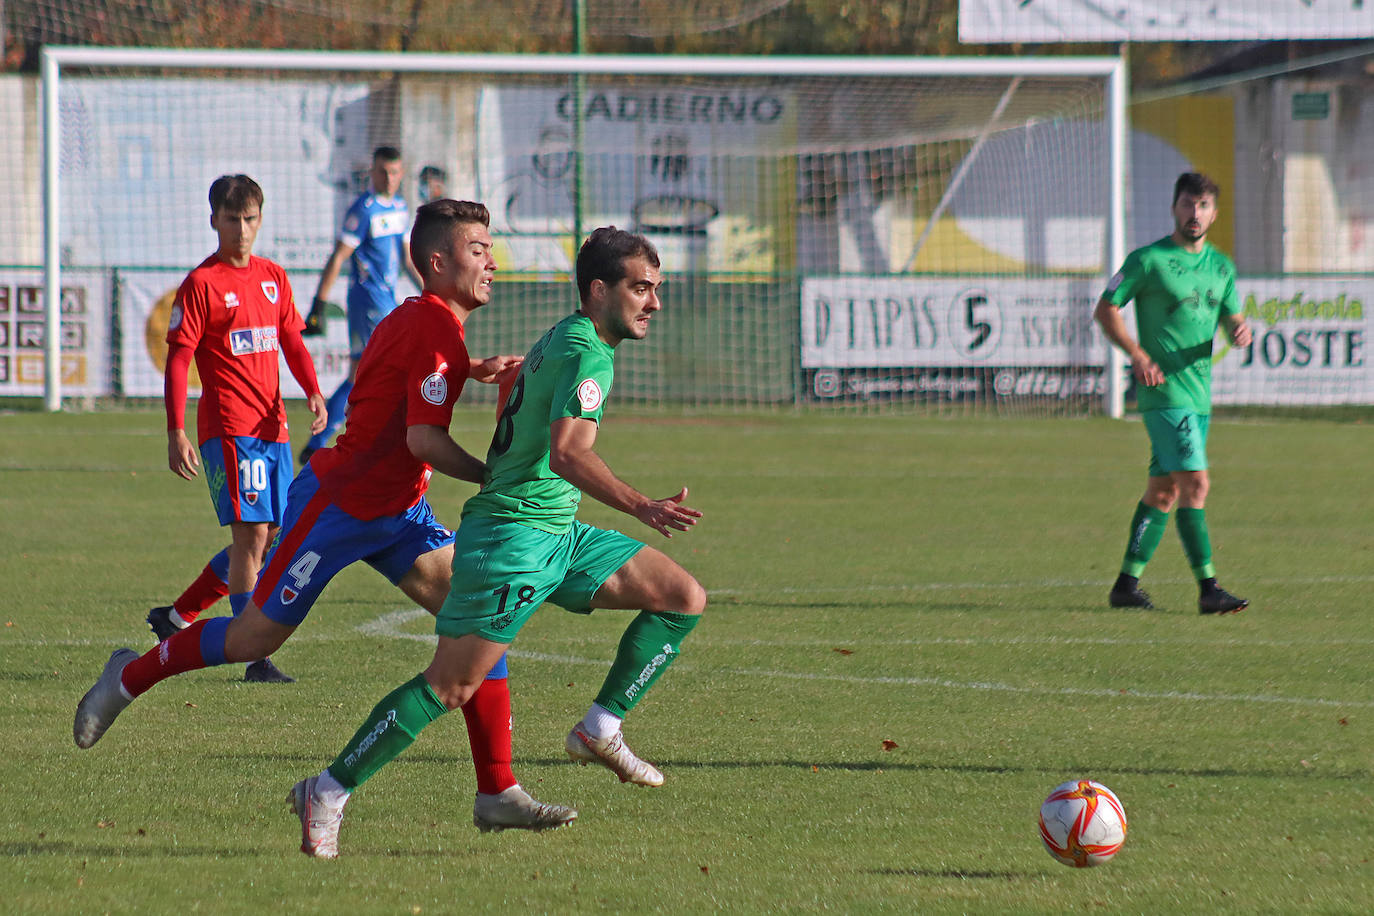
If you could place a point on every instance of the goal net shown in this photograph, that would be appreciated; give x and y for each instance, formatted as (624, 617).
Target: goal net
(861, 234)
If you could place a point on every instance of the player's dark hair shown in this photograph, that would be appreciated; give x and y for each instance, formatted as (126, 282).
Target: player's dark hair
(386, 154)
(432, 171)
(603, 255)
(435, 225)
(234, 194)
(1196, 184)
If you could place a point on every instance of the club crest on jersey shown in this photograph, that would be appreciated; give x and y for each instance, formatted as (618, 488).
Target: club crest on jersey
(434, 388)
(231, 300)
(269, 289)
(589, 394)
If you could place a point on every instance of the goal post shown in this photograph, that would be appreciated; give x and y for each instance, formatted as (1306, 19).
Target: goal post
(836, 231)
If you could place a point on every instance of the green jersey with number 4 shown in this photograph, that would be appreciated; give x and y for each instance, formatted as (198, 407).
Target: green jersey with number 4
(568, 373)
(1179, 298)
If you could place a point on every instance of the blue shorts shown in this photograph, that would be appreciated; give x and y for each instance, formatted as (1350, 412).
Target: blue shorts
(364, 312)
(317, 539)
(255, 490)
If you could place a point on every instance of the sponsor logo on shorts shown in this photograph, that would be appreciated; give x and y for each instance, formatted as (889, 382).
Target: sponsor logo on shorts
(269, 289)
(434, 388)
(589, 394)
(657, 662)
(371, 738)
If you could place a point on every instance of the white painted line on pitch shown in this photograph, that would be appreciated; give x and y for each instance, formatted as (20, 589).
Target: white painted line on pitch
(990, 586)
(389, 625)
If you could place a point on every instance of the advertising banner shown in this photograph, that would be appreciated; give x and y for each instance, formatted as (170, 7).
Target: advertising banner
(145, 306)
(991, 21)
(949, 322)
(1311, 344)
(85, 332)
(658, 160)
(951, 338)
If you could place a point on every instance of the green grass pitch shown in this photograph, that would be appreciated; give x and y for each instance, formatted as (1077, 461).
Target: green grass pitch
(908, 646)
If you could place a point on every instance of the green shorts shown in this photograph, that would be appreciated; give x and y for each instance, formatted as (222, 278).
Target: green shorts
(503, 572)
(1178, 440)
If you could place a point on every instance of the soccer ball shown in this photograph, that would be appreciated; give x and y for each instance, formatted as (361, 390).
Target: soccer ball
(1082, 823)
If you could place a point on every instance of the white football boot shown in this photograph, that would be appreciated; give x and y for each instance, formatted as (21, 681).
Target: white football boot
(612, 754)
(516, 809)
(103, 702)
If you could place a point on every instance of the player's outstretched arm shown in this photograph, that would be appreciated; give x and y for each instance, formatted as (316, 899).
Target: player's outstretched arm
(571, 456)
(434, 446)
(1145, 370)
(492, 369)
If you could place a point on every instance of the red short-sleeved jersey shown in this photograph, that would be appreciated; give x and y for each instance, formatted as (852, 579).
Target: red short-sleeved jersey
(411, 373)
(232, 318)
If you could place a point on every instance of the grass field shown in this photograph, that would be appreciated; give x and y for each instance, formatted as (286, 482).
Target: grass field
(908, 646)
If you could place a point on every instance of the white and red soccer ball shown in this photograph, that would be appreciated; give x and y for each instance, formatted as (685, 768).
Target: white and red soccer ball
(1082, 823)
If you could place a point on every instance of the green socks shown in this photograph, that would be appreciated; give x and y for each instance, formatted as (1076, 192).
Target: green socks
(387, 731)
(1147, 527)
(648, 647)
(1197, 544)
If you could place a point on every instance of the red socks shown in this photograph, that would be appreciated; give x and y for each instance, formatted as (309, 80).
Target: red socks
(205, 591)
(487, 714)
(179, 652)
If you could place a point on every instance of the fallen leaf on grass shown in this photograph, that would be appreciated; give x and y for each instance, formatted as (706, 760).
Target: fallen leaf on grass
(889, 744)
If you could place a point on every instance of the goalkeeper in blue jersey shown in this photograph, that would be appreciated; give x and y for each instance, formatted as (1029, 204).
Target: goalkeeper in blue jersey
(374, 240)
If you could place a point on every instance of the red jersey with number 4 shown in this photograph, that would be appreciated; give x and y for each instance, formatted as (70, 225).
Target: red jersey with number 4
(233, 317)
(411, 373)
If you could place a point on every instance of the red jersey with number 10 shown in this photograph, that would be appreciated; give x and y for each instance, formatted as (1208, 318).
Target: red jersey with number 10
(411, 373)
(232, 318)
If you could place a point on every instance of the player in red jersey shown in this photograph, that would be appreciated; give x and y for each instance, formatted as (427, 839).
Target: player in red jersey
(232, 314)
(363, 499)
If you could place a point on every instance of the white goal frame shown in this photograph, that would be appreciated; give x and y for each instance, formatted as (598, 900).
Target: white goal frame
(53, 59)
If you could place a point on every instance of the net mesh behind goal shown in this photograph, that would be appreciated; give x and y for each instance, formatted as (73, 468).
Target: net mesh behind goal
(867, 241)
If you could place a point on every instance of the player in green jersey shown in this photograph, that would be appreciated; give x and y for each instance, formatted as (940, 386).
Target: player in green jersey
(520, 545)
(1183, 288)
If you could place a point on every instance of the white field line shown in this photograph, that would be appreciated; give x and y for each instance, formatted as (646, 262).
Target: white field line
(389, 625)
(994, 586)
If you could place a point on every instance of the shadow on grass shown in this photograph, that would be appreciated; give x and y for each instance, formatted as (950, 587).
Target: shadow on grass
(951, 873)
(897, 766)
(133, 849)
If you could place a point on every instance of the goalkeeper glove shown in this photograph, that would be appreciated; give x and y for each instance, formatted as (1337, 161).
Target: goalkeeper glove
(314, 322)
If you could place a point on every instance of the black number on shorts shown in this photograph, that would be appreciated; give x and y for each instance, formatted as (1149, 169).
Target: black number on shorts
(505, 426)
(523, 596)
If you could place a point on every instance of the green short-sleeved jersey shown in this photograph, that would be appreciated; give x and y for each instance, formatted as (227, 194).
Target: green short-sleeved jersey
(1179, 298)
(568, 373)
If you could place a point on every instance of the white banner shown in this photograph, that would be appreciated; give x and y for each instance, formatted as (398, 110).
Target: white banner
(657, 160)
(1311, 344)
(85, 332)
(145, 304)
(992, 21)
(877, 322)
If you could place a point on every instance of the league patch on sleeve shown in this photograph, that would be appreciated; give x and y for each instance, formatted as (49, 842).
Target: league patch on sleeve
(589, 394)
(351, 223)
(1115, 281)
(174, 320)
(434, 389)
